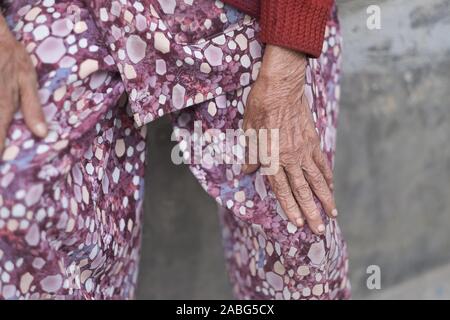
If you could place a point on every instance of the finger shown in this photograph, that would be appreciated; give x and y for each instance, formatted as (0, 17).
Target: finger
(320, 187)
(7, 109)
(249, 168)
(304, 197)
(324, 166)
(281, 188)
(251, 150)
(31, 106)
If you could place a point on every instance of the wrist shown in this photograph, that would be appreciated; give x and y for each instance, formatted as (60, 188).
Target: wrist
(282, 63)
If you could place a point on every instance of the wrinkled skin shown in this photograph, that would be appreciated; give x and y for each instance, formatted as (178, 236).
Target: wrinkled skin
(18, 86)
(277, 101)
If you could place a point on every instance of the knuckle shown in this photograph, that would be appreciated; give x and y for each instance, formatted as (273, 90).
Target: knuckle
(294, 172)
(312, 214)
(283, 194)
(278, 186)
(291, 207)
(303, 193)
(321, 188)
(316, 177)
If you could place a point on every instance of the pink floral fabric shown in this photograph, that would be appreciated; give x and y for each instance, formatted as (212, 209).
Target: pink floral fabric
(71, 204)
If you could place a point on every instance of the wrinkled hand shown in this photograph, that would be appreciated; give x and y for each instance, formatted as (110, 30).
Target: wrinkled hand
(18, 86)
(277, 101)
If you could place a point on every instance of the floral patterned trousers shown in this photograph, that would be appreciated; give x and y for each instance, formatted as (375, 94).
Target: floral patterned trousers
(71, 204)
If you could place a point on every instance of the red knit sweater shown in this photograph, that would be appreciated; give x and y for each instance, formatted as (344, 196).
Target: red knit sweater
(294, 24)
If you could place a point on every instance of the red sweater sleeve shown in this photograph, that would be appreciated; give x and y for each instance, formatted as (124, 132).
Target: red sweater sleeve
(295, 24)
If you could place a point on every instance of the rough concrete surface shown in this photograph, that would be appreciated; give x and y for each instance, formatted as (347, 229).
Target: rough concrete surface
(430, 285)
(393, 158)
(392, 168)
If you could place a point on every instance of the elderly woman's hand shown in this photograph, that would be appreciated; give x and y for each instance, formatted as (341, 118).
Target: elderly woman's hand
(18, 86)
(277, 101)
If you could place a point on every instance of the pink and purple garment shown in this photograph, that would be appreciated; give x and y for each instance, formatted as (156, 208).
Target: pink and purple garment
(71, 204)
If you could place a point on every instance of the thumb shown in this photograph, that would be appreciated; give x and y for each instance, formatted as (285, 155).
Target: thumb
(31, 106)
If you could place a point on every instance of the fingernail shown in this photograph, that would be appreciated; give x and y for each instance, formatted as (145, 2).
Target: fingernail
(41, 129)
(299, 222)
(331, 187)
(321, 228)
(334, 213)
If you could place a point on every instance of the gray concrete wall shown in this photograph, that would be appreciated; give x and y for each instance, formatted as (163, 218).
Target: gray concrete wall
(392, 169)
(181, 253)
(393, 159)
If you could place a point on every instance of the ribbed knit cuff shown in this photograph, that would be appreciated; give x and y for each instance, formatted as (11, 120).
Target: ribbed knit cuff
(295, 24)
